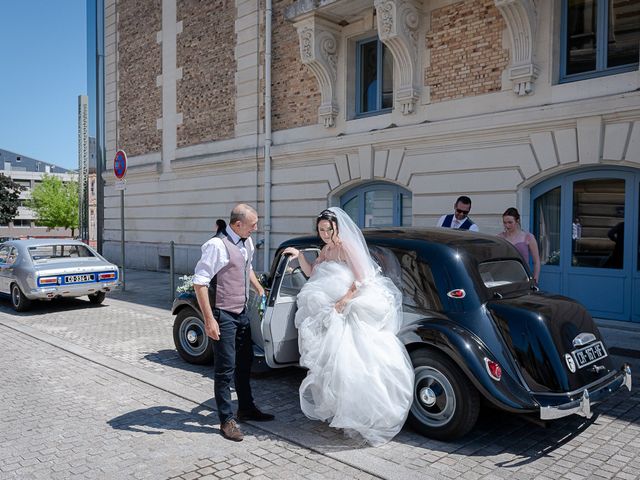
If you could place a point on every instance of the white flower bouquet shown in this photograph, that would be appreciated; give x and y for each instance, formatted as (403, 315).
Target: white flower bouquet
(187, 284)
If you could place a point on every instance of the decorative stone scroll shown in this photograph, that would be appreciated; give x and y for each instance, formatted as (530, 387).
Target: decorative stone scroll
(520, 16)
(319, 51)
(398, 27)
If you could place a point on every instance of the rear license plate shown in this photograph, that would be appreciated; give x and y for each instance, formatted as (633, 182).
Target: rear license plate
(79, 278)
(589, 354)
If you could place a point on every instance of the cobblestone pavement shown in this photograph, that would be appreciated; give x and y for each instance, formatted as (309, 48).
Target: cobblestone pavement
(65, 417)
(100, 392)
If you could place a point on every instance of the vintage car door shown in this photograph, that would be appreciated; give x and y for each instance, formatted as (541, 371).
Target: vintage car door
(278, 327)
(6, 270)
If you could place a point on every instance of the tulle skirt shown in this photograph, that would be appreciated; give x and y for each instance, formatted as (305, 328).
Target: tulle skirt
(360, 377)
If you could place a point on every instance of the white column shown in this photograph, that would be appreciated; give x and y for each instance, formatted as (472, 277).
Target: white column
(168, 80)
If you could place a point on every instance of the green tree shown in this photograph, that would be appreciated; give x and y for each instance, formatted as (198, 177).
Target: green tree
(55, 203)
(9, 203)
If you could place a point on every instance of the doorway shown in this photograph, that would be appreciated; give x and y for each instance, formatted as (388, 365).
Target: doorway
(593, 216)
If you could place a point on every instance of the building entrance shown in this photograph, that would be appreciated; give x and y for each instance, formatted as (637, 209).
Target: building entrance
(586, 224)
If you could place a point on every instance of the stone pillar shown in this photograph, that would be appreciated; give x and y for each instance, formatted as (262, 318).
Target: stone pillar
(168, 80)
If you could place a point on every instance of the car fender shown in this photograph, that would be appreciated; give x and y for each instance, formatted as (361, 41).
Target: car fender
(468, 352)
(185, 300)
(26, 289)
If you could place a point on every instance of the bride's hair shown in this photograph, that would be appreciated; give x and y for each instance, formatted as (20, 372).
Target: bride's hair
(330, 217)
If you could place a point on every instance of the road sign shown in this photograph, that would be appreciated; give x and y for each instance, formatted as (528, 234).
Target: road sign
(121, 184)
(120, 164)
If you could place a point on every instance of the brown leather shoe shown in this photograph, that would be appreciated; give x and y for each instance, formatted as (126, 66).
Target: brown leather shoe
(230, 430)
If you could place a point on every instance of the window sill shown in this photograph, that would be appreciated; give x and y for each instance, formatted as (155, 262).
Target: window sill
(372, 114)
(597, 74)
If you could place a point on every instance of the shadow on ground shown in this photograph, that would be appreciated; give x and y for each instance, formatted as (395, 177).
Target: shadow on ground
(43, 307)
(157, 420)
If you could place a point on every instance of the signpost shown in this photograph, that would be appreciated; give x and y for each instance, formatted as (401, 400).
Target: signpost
(120, 170)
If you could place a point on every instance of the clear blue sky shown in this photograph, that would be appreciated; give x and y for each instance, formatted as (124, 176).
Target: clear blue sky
(43, 58)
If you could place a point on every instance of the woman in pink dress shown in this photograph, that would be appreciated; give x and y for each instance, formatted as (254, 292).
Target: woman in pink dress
(525, 242)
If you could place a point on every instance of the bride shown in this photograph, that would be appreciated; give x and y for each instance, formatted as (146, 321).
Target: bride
(360, 377)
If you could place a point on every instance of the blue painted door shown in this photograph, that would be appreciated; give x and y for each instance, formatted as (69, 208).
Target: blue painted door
(586, 224)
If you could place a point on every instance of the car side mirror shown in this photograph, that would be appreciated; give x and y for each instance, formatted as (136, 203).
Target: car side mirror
(264, 279)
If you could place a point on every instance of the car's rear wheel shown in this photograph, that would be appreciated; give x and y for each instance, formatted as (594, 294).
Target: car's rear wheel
(190, 338)
(19, 302)
(97, 298)
(445, 403)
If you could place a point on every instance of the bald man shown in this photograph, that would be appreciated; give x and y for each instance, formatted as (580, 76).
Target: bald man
(222, 277)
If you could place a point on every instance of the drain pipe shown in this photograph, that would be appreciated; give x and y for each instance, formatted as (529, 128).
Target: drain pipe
(267, 136)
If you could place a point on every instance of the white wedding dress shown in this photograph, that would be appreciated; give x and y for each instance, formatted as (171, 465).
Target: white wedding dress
(360, 377)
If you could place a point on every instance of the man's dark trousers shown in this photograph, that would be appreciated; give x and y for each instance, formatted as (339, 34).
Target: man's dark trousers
(233, 355)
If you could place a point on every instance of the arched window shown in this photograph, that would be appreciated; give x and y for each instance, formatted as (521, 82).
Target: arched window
(378, 205)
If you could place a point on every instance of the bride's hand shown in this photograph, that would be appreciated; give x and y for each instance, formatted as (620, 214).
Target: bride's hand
(340, 304)
(294, 252)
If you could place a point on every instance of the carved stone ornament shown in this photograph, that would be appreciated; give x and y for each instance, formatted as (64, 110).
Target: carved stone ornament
(520, 16)
(398, 28)
(319, 51)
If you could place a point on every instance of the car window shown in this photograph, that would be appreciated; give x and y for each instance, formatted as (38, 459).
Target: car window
(51, 252)
(12, 256)
(294, 278)
(412, 276)
(498, 273)
(4, 253)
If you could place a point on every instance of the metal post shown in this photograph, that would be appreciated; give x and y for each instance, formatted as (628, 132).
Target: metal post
(172, 274)
(122, 238)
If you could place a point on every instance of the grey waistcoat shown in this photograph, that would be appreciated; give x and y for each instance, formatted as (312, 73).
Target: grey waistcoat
(232, 281)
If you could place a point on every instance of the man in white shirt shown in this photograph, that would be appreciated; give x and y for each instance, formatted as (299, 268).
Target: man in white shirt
(221, 282)
(459, 219)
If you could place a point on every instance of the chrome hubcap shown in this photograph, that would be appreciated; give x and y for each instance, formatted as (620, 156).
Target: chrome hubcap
(427, 397)
(435, 399)
(192, 337)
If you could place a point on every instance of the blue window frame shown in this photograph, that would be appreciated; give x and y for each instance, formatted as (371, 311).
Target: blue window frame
(374, 85)
(378, 204)
(598, 37)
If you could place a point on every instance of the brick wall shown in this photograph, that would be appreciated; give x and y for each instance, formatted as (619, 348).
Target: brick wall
(295, 96)
(466, 51)
(139, 64)
(205, 51)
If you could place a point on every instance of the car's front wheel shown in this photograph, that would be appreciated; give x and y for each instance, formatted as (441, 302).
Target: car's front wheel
(19, 302)
(445, 404)
(97, 298)
(190, 338)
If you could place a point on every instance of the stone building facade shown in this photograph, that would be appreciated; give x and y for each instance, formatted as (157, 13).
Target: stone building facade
(475, 97)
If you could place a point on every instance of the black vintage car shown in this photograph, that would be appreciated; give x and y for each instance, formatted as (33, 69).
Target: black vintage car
(475, 326)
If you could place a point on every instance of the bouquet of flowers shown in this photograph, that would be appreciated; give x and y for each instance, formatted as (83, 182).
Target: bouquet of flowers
(187, 284)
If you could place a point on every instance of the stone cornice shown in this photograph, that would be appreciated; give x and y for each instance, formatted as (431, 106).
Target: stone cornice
(319, 41)
(398, 27)
(520, 16)
(515, 122)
